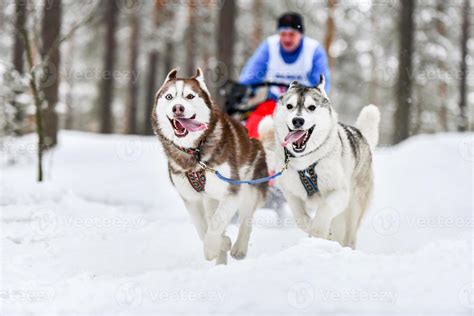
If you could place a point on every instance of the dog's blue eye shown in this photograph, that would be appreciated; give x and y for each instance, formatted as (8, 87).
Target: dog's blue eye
(289, 106)
(190, 97)
(311, 107)
(168, 97)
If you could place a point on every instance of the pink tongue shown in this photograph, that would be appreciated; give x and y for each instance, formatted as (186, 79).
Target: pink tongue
(192, 125)
(292, 137)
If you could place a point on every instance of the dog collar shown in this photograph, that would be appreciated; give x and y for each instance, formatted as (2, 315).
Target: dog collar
(194, 152)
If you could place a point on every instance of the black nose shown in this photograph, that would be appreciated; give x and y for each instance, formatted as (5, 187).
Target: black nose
(298, 122)
(178, 109)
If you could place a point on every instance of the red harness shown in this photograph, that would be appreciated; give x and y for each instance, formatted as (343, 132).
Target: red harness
(197, 179)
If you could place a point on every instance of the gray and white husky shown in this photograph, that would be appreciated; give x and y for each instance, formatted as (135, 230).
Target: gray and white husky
(330, 164)
(194, 131)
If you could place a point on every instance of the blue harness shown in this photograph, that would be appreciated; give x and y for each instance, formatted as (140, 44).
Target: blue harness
(309, 179)
(308, 176)
(197, 179)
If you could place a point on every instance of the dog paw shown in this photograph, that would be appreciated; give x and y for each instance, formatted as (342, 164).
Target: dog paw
(318, 231)
(226, 243)
(214, 244)
(239, 251)
(222, 258)
(304, 224)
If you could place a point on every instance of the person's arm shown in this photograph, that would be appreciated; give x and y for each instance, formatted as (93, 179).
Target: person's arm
(320, 66)
(255, 69)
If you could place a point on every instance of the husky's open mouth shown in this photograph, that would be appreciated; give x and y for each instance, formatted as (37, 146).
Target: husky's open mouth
(182, 126)
(298, 139)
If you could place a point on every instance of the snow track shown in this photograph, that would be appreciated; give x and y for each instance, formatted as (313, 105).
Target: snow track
(107, 234)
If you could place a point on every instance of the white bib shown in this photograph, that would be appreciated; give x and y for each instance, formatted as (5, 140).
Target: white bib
(279, 71)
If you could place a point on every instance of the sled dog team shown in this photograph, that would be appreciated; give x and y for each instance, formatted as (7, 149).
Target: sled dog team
(327, 165)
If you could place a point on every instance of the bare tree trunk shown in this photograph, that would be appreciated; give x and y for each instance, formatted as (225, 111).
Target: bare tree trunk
(38, 102)
(442, 86)
(330, 31)
(405, 71)
(18, 51)
(205, 14)
(18, 47)
(168, 59)
(151, 89)
(225, 44)
(107, 81)
(191, 40)
(257, 32)
(133, 69)
(463, 120)
(373, 88)
(69, 120)
(51, 32)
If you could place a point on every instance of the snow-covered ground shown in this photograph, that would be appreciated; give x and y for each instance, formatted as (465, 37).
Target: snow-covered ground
(107, 234)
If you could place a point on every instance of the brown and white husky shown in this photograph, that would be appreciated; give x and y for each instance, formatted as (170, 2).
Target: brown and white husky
(192, 129)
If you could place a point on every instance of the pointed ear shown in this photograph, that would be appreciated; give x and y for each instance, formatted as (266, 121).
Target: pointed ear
(322, 83)
(293, 84)
(199, 74)
(172, 74)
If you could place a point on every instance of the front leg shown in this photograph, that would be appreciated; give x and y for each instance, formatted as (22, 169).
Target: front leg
(331, 206)
(298, 207)
(214, 241)
(196, 210)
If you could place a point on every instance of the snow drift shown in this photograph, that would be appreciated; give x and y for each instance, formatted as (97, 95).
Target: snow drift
(108, 234)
